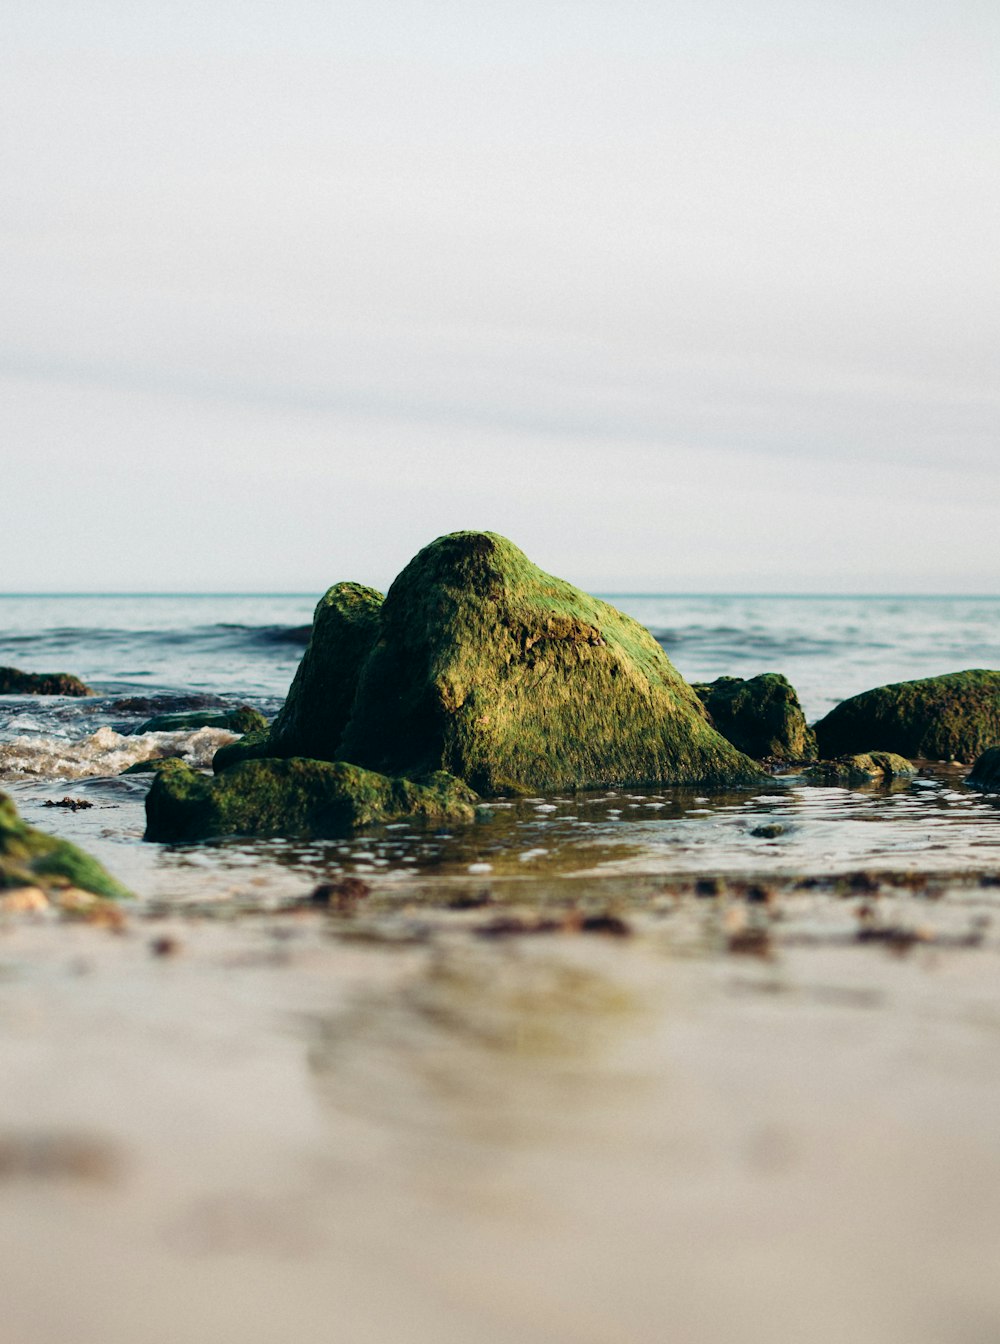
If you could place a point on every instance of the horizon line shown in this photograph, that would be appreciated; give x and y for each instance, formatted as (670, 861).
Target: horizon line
(605, 593)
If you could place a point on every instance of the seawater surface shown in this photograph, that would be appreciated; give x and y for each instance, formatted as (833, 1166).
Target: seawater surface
(144, 654)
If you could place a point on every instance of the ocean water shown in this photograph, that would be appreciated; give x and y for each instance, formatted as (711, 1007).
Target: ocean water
(145, 654)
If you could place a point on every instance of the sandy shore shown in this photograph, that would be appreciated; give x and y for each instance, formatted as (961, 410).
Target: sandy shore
(393, 1127)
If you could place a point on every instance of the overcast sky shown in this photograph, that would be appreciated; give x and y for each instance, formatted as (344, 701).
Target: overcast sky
(681, 297)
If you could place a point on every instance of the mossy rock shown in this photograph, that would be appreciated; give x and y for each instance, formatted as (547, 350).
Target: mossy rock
(492, 670)
(14, 682)
(985, 774)
(295, 797)
(862, 768)
(313, 718)
(760, 716)
(155, 766)
(29, 857)
(244, 719)
(952, 717)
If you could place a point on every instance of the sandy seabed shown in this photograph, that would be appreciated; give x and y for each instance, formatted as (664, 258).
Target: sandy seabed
(395, 1125)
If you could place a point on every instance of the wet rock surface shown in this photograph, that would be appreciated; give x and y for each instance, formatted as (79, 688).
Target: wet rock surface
(760, 715)
(951, 717)
(294, 797)
(15, 682)
(31, 858)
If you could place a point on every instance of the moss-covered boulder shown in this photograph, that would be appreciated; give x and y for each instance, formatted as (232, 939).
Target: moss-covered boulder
(31, 858)
(863, 768)
(952, 717)
(243, 719)
(295, 797)
(14, 682)
(760, 715)
(491, 669)
(985, 774)
(313, 718)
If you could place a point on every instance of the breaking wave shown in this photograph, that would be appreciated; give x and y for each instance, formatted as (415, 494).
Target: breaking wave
(105, 752)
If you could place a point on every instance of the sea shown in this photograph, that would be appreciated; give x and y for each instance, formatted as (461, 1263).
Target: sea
(144, 654)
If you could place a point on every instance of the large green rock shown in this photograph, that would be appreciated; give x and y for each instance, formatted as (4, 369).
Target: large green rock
(952, 717)
(14, 682)
(294, 797)
(312, 720)
(516, 681)
(31, 858)
(985, 774)
(761, 716)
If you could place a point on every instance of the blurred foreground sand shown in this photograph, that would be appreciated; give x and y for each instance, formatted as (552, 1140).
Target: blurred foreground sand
(292, 1127)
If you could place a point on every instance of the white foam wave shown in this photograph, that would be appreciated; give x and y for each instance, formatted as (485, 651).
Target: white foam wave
(105, 752)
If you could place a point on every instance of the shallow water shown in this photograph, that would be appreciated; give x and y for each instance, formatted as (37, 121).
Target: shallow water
(148, 654)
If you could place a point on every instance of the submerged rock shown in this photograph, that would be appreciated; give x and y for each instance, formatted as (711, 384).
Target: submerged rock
(13, 682)
(480, 664)
(985, 774)
(952, 717)
(243, 719)
(760, 716)
(864, 768)
(31, 858)
(294, 797)
(313, 718)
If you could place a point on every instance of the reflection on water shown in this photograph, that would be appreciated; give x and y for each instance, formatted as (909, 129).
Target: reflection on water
(785, 828)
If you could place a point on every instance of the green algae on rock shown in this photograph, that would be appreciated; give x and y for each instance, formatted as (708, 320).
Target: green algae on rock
(951, 717)
(295, 797)
(312, 720)
(155, 765)
(491, 669)
(243, 719)
(14, 682)
(761, 716)
(985, 773)
(863, 768)
(29, 857)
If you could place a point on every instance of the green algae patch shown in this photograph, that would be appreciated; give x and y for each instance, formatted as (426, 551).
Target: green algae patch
(952, 717)
(244, 719)
(489, 668)
(15, 682)
(155, 766)
(761, 716)
(295, 797)
(312, 720)
(863, 768)
(29, 857)
(985, 774)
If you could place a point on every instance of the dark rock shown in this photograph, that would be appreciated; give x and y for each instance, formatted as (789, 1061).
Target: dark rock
(31, 858)
(294, 797)
(243, 719)
(865, 768)
(312, 720)
(154, 766)
(985, 774)
(760, 716)
(952, 717)
(13, 682)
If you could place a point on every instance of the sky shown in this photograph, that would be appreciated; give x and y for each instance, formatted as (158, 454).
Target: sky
(692, 297)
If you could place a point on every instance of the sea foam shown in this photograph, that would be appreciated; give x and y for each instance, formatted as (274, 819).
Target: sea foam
(105, 752)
